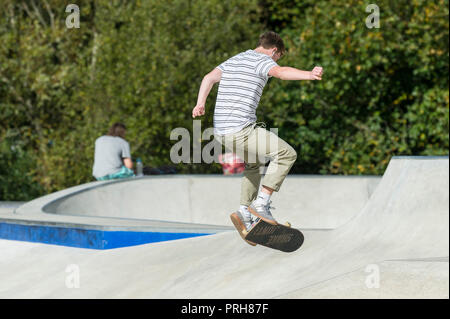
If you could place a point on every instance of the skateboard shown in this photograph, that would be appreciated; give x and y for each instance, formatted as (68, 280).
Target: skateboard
(280, 237)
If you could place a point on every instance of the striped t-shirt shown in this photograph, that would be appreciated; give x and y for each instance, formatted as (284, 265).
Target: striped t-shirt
(243, 79)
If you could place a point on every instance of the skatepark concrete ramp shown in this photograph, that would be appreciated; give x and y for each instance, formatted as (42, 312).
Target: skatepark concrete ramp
(210, 199)
(134, 211)
(403, 226)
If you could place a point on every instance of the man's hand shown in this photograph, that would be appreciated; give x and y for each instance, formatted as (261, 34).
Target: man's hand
(316, 73)
(199, 110)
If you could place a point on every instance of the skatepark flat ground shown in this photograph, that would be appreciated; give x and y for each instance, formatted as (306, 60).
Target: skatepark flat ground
(394, 246)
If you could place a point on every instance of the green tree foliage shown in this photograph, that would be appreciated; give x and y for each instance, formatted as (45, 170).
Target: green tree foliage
(138, 62)
(384, 92)
(17, 169)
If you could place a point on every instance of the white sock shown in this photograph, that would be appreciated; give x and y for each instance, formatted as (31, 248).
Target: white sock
(262, 198)
(244, 211)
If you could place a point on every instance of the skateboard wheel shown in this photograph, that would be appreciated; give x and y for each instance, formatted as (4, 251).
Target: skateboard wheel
(288, 224)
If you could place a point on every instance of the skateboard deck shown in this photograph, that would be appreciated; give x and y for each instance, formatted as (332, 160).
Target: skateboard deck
(280, 237)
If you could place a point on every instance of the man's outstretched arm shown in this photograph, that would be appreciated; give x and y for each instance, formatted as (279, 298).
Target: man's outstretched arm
(207, 83)
(288, 73)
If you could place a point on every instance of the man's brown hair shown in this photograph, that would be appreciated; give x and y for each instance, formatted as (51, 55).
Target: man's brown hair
(117, 129)
(270, 39)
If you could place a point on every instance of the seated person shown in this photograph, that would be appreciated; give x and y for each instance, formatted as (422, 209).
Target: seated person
(112, 155)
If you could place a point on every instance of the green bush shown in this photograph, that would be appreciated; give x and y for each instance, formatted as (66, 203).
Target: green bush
(17, 167)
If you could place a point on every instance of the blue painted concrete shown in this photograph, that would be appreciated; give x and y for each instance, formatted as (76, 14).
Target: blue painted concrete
(85, 238)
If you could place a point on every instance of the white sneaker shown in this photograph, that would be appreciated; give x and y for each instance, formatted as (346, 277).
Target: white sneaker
(242, 225)
(262, 211)
(246, 218)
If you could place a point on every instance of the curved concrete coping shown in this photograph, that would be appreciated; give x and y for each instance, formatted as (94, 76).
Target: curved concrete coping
(309, 201)
(158, 208)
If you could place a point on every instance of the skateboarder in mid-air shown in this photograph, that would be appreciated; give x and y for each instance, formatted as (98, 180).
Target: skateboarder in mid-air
(242, 79)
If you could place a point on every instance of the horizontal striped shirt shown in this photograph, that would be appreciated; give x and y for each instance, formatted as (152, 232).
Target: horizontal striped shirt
(243, 79)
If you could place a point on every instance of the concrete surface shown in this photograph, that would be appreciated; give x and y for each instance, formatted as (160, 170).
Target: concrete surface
(397, 279)
(111, 214)
(207, 199)
(400, 236)
(9, 207)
